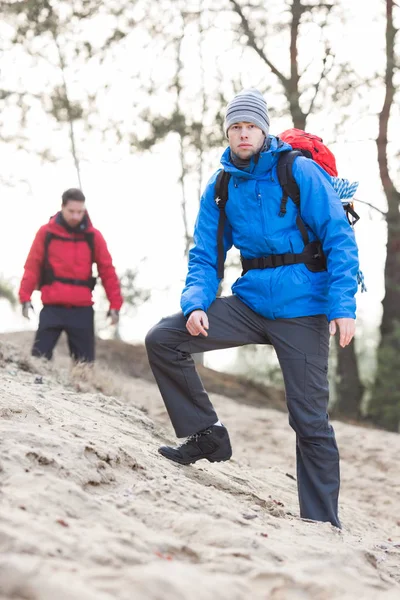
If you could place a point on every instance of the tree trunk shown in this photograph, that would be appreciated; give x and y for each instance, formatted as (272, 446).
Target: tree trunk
(384, 407)
(293, 92)
(391, 300)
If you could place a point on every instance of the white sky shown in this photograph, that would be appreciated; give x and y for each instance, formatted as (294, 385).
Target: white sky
(135, 200)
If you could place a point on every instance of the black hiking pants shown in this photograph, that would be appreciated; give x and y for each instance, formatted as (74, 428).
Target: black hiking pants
(76, 321)
(302, 346)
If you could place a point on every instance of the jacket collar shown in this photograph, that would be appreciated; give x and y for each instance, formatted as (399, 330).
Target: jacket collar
(83, 225)
(257, 168)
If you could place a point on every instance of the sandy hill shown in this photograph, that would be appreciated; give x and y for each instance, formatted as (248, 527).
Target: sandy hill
(131, 360)
(90, 511)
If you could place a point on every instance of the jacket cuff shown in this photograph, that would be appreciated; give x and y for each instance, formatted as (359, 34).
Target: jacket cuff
(341, 315)
(187, 315)
(115, 306)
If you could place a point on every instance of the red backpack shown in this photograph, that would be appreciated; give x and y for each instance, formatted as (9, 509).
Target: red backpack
(311, 146)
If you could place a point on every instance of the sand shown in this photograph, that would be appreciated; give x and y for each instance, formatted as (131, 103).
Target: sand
(90, 511)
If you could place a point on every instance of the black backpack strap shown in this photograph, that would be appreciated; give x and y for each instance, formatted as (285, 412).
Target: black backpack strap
(221, 198)
(286, 179)
(47, 240)
(351, 214)
(89, 238)
(46, 275)
(312, 256)
(290, 188)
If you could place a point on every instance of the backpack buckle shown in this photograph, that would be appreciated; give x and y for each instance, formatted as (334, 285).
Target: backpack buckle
(220, 202)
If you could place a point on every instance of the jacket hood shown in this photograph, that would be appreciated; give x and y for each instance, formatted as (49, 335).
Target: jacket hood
(258, 168)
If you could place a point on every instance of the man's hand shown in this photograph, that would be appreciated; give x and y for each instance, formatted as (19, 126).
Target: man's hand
(197, 323)
(113, 313)
(347, 328)
(26, 306)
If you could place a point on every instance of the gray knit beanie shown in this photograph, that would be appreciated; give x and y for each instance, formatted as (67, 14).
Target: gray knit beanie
(248, 106)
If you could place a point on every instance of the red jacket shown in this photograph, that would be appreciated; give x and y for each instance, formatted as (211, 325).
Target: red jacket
(72, 260)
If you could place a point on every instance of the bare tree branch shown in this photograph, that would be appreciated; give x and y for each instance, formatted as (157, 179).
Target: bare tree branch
(310, 7)
(253, 44)
(181, 133)
(324, 72)
(382, 212)
(325, 69)
(69, 109)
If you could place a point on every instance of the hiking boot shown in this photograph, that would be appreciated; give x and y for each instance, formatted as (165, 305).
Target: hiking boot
(212, 443)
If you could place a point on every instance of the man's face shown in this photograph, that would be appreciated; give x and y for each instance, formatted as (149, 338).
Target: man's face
(73, 212)
(245, 139)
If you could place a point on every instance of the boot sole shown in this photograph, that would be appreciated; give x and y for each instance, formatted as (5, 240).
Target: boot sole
(191, 462)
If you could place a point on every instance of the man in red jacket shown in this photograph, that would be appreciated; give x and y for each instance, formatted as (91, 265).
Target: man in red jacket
(60, 265)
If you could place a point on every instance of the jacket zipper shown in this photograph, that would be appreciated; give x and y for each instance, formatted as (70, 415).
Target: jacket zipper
(261, 211)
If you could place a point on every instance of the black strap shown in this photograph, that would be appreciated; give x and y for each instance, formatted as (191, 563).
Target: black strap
(90, 283)
(285, 175)
(350, 211)
(312, 256)
(290, 188)
(221, 198)
(303, 229)
(48, 276)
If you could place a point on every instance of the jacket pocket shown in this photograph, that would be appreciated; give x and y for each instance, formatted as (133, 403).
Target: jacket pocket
(316, 380)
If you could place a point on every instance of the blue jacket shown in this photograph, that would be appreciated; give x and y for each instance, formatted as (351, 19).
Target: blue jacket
(255, 228)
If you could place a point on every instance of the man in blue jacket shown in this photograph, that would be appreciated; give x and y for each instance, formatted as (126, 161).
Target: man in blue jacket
(291, 307)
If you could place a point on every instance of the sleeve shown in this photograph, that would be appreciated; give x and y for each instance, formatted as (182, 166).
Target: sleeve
(321, 209)
(202, 280)
(33, 267)
(107, 272)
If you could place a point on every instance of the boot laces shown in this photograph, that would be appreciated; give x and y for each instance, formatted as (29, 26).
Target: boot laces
(195, 436)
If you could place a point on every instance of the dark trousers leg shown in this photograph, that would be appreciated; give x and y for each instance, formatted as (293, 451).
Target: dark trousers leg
(79, 327)
(48, 333)
(169, 347)
(302, 346)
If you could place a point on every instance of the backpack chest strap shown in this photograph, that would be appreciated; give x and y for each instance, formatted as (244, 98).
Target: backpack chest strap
(312, 256)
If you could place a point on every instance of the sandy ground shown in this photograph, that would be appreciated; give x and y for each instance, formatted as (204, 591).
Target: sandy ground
(90, 511)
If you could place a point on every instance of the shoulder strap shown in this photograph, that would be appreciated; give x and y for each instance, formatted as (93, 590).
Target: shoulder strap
(89, 238)
(286, 179)
(47, 241)
(46, 270)
(290, 187)
(221, 189)
(221, 198)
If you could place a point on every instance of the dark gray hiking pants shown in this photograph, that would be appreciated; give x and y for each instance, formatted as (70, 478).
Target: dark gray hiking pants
(302, 346)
